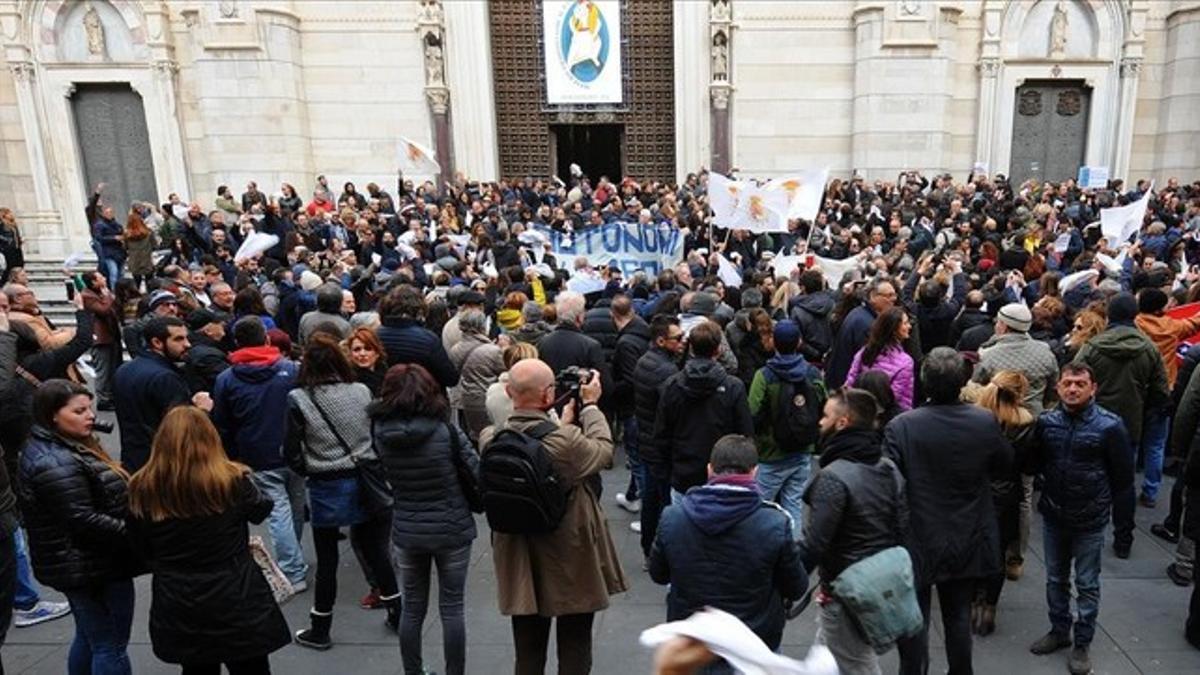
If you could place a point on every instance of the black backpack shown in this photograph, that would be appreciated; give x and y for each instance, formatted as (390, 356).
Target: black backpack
(796, 413)
(522, 493)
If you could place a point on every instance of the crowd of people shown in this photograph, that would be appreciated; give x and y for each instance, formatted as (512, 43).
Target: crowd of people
(394, 365)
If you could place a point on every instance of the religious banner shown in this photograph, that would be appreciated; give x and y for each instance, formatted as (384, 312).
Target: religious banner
(805, 191)
(724, 197)
(742, 205)
(582, 45)
(416, 159)
(633, 246)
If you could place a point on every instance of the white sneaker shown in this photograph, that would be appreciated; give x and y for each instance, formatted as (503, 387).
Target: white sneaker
(630, 505)
(39, 613)
(636, 526)
(300, 586)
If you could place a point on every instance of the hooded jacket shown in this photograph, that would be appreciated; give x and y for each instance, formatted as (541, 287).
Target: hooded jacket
(250, 402)
(764, 395)
(1129, 371)
(697, 406)
(812, 312)
(725, 547)
(1166, 333)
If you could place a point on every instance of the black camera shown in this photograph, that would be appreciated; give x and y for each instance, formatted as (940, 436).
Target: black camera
(102, 427)
(572, 378)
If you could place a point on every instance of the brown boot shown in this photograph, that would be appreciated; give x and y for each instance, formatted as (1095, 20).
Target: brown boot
(1014, 568)
(987, 620)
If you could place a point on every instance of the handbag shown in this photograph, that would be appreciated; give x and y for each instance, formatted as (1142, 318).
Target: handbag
(374, 491)
(880, 593)
(467, 479)
(280, 587)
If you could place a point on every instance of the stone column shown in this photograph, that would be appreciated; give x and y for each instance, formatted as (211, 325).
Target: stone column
(719, 115)
(430, 20)
(989, 81)
(720, 88)
(43, 227)
(1131, 69)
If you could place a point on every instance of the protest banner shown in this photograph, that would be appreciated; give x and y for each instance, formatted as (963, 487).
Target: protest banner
(253, 244)
(724, 196)
(633, 246)
(805, 191)
(1093, 177)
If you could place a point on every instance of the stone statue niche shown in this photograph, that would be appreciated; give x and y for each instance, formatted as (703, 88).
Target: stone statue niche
(94, 31)
(1059, 29)
(720, 57)
(434, 61)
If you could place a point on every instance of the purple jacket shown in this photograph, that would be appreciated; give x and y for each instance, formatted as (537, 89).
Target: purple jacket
(897, 364)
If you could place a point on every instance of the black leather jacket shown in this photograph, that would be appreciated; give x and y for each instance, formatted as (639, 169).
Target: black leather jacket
(75, 507)
(855, 505)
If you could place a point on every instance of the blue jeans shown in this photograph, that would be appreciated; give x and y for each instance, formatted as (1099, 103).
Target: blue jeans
(286, 522)
(452, 580)
(103, 615)
(633, 458)
(113, 270)
(1154, 443)
(26, 595)
(782, 481)
(1084, 548)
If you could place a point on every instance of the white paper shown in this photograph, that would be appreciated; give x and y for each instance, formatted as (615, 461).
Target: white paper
(253, 244)
(376, 259)
(834, 270)
(784, 265)
(728, 272)
(543, 270)
(1072, 280)
(1110, 264)
(584, 284)
(1120, 222)
(1062, 243)
(805, 191)
(729, 638)
(73, 260)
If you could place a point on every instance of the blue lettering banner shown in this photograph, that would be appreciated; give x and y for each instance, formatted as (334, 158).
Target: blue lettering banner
(633, 246)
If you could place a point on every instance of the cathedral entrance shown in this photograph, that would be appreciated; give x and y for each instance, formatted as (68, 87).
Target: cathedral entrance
(110, 123)
(596, 148)
(1049, 130)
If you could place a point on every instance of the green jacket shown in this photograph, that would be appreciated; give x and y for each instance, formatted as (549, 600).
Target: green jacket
(764, 395)
(1130, 374)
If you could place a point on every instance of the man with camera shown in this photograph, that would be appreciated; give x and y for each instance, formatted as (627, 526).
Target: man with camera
(568, 573)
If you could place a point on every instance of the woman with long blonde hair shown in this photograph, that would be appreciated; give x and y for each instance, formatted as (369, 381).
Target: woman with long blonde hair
(190, 506)
(1003, 396)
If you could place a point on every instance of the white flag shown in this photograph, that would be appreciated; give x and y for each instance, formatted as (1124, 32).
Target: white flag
(253, 244)
(728, 272)
(784, 265)
(724, 196)
(805, 191)
(1072, 280)
(416, 159)
(1120, 222)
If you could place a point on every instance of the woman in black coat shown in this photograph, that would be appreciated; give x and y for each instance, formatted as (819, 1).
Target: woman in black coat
(190, 507)
(75, 501)
(432, 522)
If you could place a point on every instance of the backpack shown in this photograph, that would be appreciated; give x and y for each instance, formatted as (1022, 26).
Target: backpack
(522, 493)
(795, 413)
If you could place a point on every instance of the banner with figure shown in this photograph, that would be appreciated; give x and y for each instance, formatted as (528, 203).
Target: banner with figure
(634, 247)
(582, 45)
(805, 191)
(415, 159)
(742, 205)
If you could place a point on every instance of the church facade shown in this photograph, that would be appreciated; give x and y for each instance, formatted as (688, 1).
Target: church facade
(154, 97)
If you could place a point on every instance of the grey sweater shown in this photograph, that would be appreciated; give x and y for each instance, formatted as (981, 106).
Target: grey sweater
(311, 444)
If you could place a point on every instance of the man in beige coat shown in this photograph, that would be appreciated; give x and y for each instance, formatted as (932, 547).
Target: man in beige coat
(571, 572)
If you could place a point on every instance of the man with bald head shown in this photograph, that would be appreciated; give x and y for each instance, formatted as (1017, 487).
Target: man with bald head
(568, 574)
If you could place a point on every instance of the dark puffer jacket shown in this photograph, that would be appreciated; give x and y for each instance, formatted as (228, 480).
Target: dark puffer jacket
(431, 513)
(649, 376)
(812, 312)
(632, 341)
(407, 341)
(598, 324)
(1084, 459)
(75, 508)
(725, 547)
(698, 406)
(854, 504)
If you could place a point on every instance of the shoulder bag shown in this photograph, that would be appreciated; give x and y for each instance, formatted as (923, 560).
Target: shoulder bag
(374, 491)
